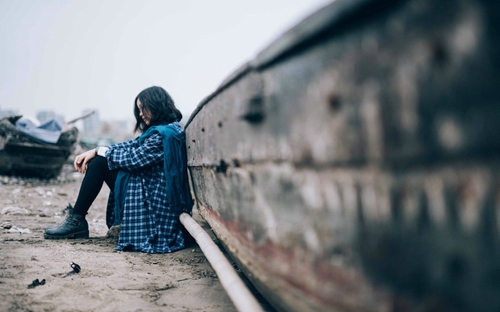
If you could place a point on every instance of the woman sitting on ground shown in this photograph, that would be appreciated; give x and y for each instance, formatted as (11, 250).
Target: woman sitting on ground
(147, 177)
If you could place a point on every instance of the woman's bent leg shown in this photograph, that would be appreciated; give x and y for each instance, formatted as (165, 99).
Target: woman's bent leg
(75, 225)
(97, 173)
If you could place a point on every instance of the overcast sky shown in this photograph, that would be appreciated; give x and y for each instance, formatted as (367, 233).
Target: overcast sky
(71, 55)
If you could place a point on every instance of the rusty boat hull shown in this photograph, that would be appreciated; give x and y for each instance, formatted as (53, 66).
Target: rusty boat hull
(353, 164)
(22, 155)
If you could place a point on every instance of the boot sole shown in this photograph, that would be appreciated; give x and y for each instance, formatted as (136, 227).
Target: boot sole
(82, 234)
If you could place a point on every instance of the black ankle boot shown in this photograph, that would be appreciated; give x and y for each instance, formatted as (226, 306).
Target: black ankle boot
(74, 226)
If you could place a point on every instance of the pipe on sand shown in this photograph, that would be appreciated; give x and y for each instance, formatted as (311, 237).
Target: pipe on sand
(231, 282)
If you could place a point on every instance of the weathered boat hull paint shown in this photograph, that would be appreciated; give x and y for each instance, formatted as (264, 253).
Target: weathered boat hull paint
(22, 155)
(353, 164)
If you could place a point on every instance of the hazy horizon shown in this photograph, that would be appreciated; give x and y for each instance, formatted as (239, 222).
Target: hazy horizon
(68, 56)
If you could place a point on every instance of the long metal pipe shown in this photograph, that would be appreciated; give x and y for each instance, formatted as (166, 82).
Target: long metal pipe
(242, 298)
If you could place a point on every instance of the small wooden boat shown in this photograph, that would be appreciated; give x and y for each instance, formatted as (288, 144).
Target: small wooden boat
(21, 154)
(353, 165)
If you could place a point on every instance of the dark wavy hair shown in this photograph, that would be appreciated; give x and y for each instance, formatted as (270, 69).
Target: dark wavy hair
(161, 106)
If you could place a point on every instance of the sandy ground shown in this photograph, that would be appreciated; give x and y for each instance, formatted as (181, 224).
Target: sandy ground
(109, 280)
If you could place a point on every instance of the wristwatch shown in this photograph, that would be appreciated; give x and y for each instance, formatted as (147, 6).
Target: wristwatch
(101, 150)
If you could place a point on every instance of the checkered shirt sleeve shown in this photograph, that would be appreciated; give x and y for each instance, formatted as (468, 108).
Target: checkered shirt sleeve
(131, 156)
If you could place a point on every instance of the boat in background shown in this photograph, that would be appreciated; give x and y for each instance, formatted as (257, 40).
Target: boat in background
(23, 155)
(353, 165)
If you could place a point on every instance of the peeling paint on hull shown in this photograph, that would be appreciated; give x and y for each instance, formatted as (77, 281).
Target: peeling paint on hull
(353, 165)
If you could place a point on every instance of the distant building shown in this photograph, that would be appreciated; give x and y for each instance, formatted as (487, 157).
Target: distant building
(119, 130)
(92, 124)
(45, 115)
(8, 112)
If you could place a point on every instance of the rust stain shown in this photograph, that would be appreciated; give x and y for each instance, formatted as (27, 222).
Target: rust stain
(335, 286)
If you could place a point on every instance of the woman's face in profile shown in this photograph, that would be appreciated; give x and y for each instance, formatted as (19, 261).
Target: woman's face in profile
(144, 113)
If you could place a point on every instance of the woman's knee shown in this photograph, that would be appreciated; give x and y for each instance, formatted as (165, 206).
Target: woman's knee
(99, 163)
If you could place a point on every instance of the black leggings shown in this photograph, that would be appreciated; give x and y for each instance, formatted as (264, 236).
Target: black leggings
(97, 173)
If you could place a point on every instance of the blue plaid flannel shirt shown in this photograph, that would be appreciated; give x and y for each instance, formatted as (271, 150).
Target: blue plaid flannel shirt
(148, 224)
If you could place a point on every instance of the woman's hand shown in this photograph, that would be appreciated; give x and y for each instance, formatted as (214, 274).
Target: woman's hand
(83, 160)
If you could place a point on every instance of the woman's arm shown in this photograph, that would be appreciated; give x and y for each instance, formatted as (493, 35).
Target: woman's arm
(127, 144)
(135, 157)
